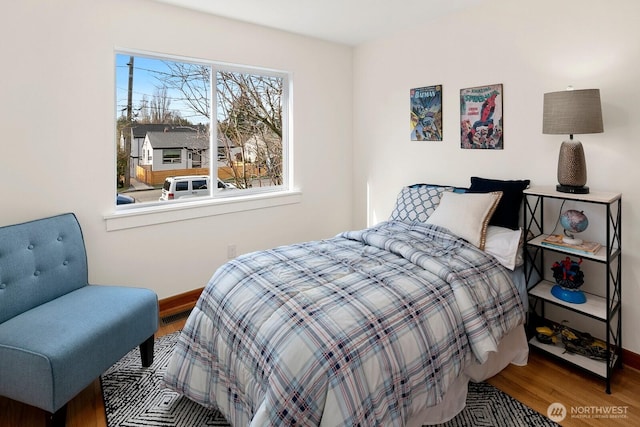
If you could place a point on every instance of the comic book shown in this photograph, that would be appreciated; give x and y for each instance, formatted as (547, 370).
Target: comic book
(481, 124)
(556, 240)
(426, 113)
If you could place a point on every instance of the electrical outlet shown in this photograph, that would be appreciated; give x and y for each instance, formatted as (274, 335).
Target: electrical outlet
(231, 251)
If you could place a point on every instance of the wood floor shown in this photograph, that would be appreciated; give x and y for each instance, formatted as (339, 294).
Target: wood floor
(542, 382)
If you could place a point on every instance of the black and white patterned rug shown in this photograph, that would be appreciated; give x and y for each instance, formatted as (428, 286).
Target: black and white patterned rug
(136, 396)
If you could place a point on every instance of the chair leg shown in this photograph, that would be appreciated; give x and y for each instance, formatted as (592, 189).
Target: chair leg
(58, 418)
(146, 352)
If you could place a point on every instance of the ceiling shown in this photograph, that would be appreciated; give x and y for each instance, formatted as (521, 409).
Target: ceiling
(350, 22)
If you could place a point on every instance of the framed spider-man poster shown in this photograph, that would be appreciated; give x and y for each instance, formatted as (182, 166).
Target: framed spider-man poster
(481, 121)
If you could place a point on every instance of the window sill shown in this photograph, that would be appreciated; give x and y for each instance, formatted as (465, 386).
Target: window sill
(159, 214)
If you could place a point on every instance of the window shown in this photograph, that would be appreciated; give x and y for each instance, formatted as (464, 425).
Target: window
(183, 117)
(199, 184)
(171, 156)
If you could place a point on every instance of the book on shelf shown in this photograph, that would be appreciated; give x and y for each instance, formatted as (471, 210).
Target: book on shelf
(587, 248)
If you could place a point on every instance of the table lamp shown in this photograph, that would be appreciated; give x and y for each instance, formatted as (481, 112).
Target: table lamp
(572, 112)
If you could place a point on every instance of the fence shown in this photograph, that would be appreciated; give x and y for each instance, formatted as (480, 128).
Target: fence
(156, 178)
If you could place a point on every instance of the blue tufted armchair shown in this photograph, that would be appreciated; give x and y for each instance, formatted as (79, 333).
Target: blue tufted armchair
(58, 333)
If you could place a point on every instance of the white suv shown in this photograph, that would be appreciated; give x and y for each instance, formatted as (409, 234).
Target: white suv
(180, 187)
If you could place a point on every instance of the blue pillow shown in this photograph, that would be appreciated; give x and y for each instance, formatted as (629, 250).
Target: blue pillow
(417, 202)
(507, 213)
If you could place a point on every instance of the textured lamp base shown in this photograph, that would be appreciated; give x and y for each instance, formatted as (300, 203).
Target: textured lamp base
(583, 189)
(572, 168)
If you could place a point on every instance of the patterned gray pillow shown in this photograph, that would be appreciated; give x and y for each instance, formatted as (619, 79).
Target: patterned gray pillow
(417, 202)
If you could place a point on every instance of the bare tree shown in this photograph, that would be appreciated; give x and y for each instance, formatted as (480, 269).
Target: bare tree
(160, 103)
(249, 116)
(194, 82)
(158, 110)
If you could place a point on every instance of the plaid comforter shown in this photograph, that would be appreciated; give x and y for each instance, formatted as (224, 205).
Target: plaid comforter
(364, 329)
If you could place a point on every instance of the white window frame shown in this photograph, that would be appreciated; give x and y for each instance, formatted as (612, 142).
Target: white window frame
(219, 203)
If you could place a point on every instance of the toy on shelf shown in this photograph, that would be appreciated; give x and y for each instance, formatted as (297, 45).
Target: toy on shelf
(574, 342)
(569, 278)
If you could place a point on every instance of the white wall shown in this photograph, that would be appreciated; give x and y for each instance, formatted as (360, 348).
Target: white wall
(57, 122)
(531, 48)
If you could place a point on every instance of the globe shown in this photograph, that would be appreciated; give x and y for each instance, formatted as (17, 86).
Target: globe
(574, 221)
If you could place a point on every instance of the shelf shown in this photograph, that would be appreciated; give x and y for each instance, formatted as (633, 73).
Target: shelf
(598, 367)
(600, 256)
(595, 306)
(603, 309)
(593, 196)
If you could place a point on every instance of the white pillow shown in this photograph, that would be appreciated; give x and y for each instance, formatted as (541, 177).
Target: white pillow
(504, 244)
(466, 214)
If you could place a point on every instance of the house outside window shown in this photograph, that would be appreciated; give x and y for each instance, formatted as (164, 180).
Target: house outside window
(188, 117)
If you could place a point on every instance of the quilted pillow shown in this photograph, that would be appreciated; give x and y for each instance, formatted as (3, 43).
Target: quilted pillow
(507, 213)
(466, 215)
(417, 202)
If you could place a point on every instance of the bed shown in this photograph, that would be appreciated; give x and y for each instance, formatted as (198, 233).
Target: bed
(377, 327)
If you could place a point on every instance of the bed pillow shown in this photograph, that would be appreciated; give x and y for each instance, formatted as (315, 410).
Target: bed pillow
(466, 215)
(504, 244)
(507, 213)
(416, 203)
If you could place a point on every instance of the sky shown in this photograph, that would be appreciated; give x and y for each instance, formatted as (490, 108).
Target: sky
(145, 82)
